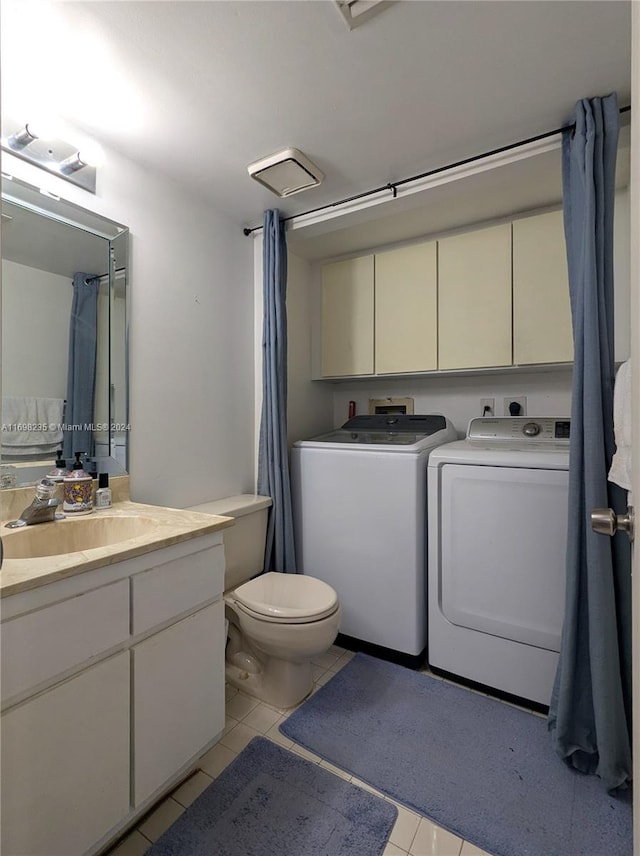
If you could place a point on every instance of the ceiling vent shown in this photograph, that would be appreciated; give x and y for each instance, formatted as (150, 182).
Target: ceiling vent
(286, 172)
(356, 12)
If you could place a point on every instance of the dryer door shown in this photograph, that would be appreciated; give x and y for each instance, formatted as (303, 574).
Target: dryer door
(503, 551)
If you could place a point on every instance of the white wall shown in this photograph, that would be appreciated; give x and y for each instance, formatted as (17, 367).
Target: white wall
(35, 345)
(191, 333)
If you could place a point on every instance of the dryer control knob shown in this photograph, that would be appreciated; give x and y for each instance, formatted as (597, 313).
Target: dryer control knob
(531, 429)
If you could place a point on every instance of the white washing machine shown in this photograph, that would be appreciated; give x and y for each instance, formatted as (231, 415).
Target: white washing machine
(359, 500)
(497, 543)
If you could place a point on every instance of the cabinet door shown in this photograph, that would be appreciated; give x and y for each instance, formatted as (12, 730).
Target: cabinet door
(65, 764)
(178, 678)
(406, 325)
(347, 317)
(474, 299)
(541, 307)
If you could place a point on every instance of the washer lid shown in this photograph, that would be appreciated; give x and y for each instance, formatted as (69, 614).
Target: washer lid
(395, 430)
(401, 423)
(287, 597)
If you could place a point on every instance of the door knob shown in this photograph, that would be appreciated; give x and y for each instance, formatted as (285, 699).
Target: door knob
(605, 521)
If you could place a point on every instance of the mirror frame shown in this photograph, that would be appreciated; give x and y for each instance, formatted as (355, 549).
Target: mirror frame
(25, 195)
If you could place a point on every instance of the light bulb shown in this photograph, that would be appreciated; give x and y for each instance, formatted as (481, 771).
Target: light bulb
(40, 129)
(91, 154)
(43, 128)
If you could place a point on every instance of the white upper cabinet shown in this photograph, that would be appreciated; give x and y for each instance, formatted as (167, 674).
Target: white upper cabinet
(347, 317)
(406, 309)
(541, 306)
(474, 299)
(492, 297)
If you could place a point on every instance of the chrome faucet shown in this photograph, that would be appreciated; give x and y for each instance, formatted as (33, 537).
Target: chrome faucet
(43, 507)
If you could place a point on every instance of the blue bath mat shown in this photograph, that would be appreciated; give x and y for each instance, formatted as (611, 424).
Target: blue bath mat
(481, 769)
(271, 802)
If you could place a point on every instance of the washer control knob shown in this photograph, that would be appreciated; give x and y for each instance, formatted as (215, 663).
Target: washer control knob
(531, 429)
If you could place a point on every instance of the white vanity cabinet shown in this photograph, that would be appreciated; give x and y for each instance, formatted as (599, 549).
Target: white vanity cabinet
(176, 696)
(178, 672)
(65, 763)
(112, 687)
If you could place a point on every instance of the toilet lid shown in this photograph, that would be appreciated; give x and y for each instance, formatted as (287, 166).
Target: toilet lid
(288, 598)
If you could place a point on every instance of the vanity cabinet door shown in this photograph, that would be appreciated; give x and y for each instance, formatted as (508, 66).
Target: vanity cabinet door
(178, 704)
(65, 764)
(42, 644)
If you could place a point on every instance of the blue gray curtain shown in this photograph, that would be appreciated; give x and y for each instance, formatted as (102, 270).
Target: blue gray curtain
(273, 455)
(589, 715)
(81, 370)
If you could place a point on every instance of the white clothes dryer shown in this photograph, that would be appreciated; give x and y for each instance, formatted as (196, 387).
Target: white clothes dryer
(359, 501)
(497, 543)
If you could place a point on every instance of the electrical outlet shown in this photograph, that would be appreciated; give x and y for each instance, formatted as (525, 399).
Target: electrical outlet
(516, 399)
(487, 407)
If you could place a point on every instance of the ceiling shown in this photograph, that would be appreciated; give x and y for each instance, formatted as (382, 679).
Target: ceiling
(199, 90)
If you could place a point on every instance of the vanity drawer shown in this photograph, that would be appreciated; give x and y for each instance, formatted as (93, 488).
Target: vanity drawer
(176, 587)
(49, 641)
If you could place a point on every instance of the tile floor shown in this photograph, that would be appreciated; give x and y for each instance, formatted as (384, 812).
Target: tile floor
(412, 835)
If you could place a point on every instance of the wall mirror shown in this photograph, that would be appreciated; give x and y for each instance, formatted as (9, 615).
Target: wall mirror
(65, 314)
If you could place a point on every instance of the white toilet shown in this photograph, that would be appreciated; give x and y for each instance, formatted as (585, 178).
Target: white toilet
(277, 622)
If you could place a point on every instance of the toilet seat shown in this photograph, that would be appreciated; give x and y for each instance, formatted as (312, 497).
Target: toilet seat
(286, 598)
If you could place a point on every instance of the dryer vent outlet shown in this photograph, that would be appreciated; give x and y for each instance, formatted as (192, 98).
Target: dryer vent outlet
(515, 405)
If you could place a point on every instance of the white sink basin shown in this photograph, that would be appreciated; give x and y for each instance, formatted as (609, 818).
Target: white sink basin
(73, 536)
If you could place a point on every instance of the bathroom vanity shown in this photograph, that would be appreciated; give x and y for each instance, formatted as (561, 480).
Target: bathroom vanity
(112, 677)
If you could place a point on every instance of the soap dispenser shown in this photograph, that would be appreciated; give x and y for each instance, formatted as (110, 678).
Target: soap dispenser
(77, 490)
(59, 471)
(58, 474)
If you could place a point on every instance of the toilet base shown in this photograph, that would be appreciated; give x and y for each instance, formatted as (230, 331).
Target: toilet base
(279, 683)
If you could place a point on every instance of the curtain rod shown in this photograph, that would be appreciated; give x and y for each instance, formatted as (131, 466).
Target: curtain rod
(393, 185)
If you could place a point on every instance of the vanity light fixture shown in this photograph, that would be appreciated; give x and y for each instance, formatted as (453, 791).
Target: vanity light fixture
(72, 163)
(22, 138)
(41, 147)
(86, 156)
(285, 173)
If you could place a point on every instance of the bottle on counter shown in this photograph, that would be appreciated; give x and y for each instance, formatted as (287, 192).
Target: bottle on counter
(77, 490)
(103, 494)
(58, 474)
(59, 471)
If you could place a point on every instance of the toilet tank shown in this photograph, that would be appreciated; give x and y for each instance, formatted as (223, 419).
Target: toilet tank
(244, 542)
